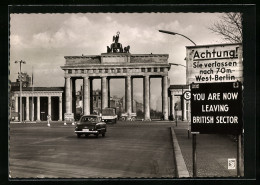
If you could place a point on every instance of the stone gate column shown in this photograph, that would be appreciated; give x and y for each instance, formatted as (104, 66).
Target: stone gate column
(165, 97)
(27, 108)
(91, 94)
(86, 96)
(60, 108)
(73, 96)
(128, 101)
(49, 106)
(104, 92)
(33, 108)
(173, 104)
(16, 106)
(147, 97)
(132, 95)
(108, 92)
(67, 95)
(38, 109)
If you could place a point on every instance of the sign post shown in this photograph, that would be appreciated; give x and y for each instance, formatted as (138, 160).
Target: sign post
(187, 97)
(194, 156)
(239, 142)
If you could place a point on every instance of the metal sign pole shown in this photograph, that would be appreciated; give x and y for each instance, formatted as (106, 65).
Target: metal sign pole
(239, 155)
(188, 130)
(194, 155)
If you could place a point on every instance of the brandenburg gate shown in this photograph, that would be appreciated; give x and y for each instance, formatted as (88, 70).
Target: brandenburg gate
(118, 62)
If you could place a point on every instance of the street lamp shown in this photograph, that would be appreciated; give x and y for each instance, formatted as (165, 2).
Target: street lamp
(174, 33)
(20, 79)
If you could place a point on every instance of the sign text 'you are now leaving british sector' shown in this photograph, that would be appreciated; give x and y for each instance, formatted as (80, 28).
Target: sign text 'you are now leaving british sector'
(214, 63)
(216, 108)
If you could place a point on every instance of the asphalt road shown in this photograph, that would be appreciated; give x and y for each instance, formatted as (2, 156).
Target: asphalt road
(129, 150)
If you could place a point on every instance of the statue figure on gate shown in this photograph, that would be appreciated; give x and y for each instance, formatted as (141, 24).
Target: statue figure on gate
(117, 47)
(116, 38)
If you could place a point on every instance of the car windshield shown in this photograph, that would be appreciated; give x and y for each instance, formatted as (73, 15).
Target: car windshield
(88, 119)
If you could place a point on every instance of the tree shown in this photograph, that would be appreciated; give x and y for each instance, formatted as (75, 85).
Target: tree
(229, 27)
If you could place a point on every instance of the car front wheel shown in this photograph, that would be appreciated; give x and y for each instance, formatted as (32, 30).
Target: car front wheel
(78, 135)
(104, 134)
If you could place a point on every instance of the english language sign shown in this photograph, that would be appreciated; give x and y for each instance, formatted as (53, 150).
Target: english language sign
(214, 63)
(216, 108)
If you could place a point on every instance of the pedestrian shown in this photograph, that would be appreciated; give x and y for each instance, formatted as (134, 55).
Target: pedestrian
(48, 119)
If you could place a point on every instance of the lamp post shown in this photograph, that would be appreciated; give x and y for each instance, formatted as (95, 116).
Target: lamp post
(193, 135)
(20, 79)
(175, 64)
(174, 33)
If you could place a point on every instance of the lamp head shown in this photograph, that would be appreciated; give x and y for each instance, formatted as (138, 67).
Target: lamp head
(168, 32)
(174, 64)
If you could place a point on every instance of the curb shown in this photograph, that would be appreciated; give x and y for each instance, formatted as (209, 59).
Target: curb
(180, 163)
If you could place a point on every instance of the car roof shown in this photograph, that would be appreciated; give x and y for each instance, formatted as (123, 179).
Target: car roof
(91, 115)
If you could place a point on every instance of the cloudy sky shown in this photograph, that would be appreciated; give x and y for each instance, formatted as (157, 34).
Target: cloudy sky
(42, 40)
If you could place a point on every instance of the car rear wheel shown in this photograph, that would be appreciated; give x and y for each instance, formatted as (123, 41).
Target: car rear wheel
(104, 134)
(78, 135)
(96, 135)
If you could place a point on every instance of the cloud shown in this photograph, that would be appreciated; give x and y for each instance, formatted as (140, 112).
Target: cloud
(79, 31)
(108, 18)
(17, 41)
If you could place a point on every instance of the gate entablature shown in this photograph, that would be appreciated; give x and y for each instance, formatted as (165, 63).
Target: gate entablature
(116, 64)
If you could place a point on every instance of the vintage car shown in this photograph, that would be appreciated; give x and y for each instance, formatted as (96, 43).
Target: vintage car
(90, 124)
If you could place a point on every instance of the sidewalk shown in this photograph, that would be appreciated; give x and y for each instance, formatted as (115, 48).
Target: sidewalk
(213, 152)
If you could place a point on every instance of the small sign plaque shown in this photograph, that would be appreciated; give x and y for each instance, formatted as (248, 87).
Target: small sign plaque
(69, 116)
(232, 163)
(187, 95)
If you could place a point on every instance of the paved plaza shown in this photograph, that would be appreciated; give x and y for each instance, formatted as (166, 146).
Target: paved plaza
(130, 149)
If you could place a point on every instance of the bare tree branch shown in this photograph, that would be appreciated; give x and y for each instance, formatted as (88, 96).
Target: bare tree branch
(229, 27)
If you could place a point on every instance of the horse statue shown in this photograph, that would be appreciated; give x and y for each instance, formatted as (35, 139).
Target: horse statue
(109, 49)
(126, 49)
(117, 48)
